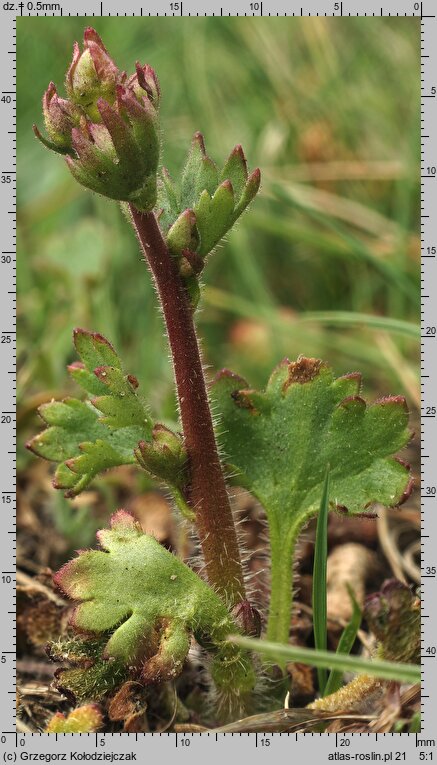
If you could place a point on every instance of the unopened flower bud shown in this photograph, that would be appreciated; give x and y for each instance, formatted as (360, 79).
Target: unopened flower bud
(119, 159)
(108, 129)
(144, 83)
(247, 618)
(92, 75)
(393, 615)
(164, 456)
(183, 234)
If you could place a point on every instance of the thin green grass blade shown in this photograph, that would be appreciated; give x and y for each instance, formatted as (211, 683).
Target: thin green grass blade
(392, 274)
(345, 644)
(282, 654)
(415, 724)
(242, 307)
(320, 607)
(349, 318)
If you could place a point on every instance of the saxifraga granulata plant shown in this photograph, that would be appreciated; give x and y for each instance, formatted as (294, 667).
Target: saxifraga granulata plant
(138, 605)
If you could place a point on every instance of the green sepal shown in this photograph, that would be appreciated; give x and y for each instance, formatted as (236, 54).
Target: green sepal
(200, 173)
(49, 144)
(235, 171)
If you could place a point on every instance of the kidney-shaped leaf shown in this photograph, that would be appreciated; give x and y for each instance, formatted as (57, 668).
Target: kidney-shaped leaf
(280, 441)
(148, 600)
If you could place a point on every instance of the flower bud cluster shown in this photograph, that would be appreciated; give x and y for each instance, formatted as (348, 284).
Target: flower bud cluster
(108, 126)
(164, 456)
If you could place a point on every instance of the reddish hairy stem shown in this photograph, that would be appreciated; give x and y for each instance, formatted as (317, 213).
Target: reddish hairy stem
(207, 493)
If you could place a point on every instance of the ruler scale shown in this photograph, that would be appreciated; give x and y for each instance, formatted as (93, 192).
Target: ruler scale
(322, 747)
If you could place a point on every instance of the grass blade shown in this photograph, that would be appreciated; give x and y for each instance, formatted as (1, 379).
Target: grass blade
(320, 607)
(239, 306)
(415, 724)
(345, 644)
(281, 654)
(371, 321)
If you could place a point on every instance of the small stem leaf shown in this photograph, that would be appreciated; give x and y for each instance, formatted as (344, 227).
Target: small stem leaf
(235, 171)
(217, 200)
(320, 604)
(183, 234)
(88, 437)
(214, 217)
(249, 192)
(200, 173)
(309, 420)
(167, 203)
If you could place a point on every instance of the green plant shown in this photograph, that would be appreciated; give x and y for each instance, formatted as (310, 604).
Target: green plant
(278, 443)
(86, 719)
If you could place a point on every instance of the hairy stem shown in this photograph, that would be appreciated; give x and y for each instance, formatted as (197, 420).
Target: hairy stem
(282, 553)
(208, 496)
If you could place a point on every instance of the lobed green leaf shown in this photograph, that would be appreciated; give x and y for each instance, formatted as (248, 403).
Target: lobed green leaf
(150, 620)
(280, 441)
(88, 437)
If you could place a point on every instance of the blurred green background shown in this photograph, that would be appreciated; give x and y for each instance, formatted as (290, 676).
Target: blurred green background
(329, 109)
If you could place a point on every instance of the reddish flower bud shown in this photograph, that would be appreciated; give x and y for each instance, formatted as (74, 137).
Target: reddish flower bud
(393, 615)
(164, 456)
(145, 83)
(92, 75)
(108, 129)
(247, 618)
(119, 158)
